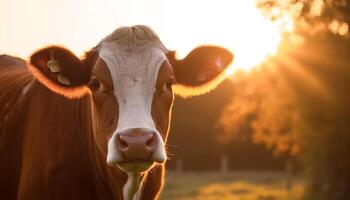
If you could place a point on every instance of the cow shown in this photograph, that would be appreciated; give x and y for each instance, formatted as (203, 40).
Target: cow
(96, 127)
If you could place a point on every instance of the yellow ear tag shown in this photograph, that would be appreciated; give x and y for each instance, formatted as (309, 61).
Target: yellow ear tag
(53, 64)
(63, 79)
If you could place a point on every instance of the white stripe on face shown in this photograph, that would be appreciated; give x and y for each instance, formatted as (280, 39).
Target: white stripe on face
(134, 73)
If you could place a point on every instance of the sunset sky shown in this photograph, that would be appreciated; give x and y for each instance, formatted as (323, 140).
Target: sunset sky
(26, 25)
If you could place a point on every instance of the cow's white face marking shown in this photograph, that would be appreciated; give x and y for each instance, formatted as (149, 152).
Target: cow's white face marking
(134, 72)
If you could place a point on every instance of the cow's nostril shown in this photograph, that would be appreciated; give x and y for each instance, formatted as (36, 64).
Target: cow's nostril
(150, 143)
(122, 143)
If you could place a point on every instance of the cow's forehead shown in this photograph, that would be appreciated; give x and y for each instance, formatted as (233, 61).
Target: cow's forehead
(132, 53)
(132, 65)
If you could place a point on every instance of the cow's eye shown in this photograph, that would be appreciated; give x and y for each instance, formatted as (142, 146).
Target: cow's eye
(168, 85)
(95, 84)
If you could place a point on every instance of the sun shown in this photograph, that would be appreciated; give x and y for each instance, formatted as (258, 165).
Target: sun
(235, 24)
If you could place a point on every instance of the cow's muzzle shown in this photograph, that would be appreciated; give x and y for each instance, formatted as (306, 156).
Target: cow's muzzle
(136, 144)
(136, 149)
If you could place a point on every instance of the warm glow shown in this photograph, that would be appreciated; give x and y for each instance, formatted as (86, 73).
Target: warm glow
(237, 25)
(181, 24)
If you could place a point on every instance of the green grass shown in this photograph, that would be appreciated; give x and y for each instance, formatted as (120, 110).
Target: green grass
(242, 185)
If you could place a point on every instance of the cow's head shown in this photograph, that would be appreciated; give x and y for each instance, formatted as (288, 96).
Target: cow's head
(131, 78)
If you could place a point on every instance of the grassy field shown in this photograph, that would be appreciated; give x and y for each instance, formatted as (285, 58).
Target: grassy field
(241, 185)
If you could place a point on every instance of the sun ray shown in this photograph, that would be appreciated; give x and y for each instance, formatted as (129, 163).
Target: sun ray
(295, 68)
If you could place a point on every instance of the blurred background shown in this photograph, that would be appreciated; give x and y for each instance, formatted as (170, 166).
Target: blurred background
(277, 129)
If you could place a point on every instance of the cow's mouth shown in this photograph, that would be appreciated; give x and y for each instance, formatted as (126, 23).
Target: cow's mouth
(136, 165)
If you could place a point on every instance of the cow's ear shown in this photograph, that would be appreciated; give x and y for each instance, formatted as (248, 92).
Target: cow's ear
(61, 71)
(201, 70)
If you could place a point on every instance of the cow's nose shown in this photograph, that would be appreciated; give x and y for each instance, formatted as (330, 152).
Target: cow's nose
(136, 144)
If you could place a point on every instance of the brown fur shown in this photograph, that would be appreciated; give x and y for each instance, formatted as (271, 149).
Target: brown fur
(11, 132)
(47, 148)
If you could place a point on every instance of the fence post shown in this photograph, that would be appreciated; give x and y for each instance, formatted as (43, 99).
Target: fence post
(224, 163)
(289, 183)
(179, 165)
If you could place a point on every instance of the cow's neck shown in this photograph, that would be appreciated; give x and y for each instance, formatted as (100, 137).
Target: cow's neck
(133, 187)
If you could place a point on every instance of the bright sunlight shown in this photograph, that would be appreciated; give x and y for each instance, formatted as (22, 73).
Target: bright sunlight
(237, 25)
(182, 25)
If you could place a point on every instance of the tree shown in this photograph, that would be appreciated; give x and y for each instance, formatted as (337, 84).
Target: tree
(310, 16)
(299, 100)
(325, 128)
(194, 133)
(263, 110)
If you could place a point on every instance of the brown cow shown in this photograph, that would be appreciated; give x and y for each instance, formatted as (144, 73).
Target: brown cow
(95, 128)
